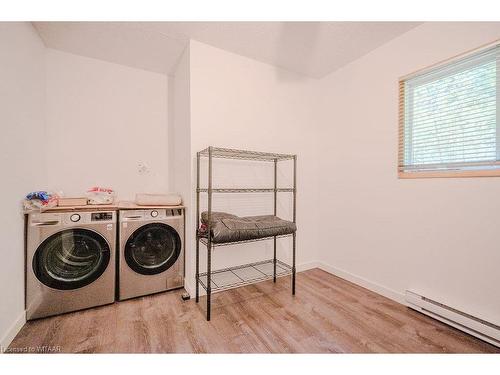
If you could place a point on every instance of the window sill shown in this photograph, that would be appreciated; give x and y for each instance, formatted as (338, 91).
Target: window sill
(450, 174)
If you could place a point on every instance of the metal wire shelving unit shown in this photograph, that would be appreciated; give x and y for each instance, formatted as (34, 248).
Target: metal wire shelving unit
(245, 274)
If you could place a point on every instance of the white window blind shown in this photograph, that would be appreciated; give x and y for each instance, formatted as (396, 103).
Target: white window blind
(449, 116)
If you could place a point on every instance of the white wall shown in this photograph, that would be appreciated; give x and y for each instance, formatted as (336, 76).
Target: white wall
(103, 119)
(180, 144)
(180, 128)
(237, 102)
(22, 150)
(439, 237)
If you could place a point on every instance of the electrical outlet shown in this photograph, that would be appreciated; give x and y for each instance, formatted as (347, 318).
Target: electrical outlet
(142, 168)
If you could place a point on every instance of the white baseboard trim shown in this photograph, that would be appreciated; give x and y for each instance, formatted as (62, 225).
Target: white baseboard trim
(308, 265)
(12, 332)
(361, 281)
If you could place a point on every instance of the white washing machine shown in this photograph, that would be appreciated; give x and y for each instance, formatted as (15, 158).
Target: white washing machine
(70, 263)
(151, 246)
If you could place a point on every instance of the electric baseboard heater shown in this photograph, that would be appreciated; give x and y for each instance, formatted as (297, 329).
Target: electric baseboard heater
(480, 328)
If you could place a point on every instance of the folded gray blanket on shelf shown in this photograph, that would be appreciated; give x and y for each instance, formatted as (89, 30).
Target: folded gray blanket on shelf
(231, 228)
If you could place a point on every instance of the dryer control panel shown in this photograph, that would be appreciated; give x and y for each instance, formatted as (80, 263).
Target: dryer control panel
(153, 214)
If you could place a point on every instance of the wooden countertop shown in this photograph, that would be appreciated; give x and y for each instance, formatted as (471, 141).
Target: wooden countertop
(122, 205)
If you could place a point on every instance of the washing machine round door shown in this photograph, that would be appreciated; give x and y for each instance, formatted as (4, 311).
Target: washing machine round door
(71, 259)
(152, 248)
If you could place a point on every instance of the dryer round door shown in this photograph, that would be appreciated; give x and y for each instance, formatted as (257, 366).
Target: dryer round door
(71, 259)
(152, 248)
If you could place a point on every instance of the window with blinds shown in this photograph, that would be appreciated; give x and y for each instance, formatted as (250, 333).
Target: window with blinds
(449, 118)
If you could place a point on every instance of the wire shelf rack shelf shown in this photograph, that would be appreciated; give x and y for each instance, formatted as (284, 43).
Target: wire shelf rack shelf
(248, 190)
(228, 153)
(204, 241)
(234, 277)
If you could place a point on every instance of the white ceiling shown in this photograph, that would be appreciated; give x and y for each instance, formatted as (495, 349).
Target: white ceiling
(310, 48)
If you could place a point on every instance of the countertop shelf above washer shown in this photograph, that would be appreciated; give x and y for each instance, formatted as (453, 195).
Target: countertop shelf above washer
(121, 205)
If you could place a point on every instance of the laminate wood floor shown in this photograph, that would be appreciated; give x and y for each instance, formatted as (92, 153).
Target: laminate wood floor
(328, 315)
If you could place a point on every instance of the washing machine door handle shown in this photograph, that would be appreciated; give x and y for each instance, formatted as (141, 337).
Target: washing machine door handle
(137, 217)
(45, 223)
